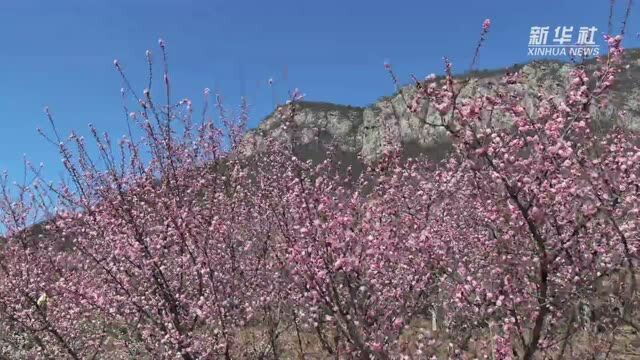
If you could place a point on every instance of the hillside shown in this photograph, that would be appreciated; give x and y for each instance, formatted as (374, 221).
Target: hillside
(358, 130)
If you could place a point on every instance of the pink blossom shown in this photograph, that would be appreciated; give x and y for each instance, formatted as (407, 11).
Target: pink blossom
(486, 24)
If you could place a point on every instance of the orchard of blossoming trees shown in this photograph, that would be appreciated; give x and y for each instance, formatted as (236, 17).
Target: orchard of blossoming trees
(522, 244)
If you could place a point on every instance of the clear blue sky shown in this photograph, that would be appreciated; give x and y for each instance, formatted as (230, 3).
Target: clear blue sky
(60, 53)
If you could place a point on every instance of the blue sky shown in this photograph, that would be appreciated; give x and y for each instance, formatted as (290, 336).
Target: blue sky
(60, 53)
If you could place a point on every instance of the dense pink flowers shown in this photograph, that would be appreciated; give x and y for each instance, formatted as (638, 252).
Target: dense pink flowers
(179, 247)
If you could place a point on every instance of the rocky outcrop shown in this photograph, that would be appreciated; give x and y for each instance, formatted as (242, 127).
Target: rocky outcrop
(359, 130)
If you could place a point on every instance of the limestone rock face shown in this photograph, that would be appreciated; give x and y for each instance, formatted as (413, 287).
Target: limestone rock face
(360, 130)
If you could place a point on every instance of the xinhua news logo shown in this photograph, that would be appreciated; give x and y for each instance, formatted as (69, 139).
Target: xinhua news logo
(562, 41)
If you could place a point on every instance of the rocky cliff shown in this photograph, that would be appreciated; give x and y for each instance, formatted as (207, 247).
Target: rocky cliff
(359, 130)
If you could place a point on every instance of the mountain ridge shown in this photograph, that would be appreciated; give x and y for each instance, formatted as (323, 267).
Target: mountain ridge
(358, 129)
